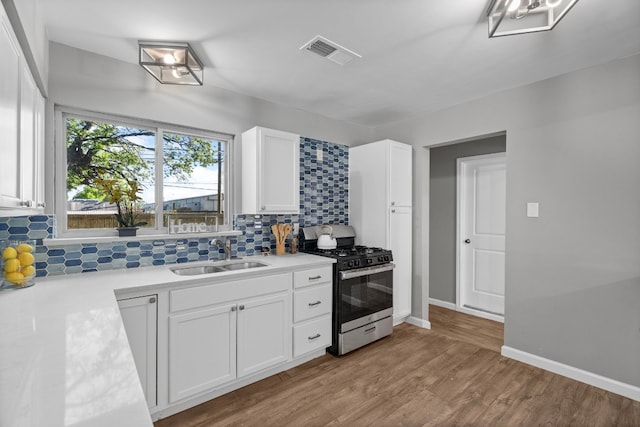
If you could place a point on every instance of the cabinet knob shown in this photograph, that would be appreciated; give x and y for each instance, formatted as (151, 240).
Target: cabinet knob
(241, 307)
(42, 205)
(393, 203)
(234, 308)
(263, 208)
(393, 211)
(152, 300)
(467, 241)
(26, 203)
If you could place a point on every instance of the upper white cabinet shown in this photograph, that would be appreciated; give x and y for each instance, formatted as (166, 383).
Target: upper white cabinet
(270, 171)
(21, 126)
(380, 209)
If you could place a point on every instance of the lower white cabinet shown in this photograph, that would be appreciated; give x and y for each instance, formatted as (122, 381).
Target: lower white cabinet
(214, 345)
(312, 300)
(139, 316)
(264, 339)
(202, 350)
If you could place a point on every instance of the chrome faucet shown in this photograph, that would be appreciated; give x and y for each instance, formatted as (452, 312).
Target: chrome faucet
(226, 245)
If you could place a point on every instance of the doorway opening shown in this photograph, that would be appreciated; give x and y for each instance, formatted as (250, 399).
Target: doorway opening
(443, 225)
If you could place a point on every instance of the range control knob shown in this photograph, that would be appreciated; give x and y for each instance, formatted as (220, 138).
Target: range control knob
(386, 258)
(350, 264)
(381, 258)
(369, 261)
(356, 263)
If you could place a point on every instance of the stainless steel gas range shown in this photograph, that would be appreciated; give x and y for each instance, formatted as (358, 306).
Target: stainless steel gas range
(362, 288)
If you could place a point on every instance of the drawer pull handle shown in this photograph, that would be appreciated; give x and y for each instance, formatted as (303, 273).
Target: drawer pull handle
(315, 277)
(315, 337)
(312, 304)
(370, 329)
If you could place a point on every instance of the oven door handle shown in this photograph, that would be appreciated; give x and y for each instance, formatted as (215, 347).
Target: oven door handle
(359, 272)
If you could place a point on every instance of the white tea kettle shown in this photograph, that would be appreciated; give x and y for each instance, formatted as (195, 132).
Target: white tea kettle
(326, 239)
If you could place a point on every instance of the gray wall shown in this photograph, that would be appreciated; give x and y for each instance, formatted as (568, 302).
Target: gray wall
(573, 274)
(93, 82)
(442, 211)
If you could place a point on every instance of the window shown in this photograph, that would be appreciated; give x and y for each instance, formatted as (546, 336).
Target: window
(174, 174)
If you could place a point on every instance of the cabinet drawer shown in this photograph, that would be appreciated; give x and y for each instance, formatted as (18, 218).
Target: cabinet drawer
(202, 296)
(311, 302)
(313, 276)
(312, 336)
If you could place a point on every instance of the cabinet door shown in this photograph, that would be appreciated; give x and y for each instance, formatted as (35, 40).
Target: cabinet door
(279, 179)
(400, 174)
(140, 318)
(28, 92)
(264, 333)
(202, 350)
(9, 119)
(400, 245)
(39, 152)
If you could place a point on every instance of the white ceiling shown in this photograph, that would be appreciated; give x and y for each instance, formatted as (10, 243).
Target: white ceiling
(417, 55)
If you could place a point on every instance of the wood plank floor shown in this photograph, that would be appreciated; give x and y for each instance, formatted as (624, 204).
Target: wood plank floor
(451, 375)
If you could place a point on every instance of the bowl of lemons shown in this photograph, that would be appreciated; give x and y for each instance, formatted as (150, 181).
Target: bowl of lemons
(18, 263)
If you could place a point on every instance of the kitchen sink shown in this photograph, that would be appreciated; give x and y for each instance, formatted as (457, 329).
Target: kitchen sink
(243, 265)
(194, 271)
(219, 268)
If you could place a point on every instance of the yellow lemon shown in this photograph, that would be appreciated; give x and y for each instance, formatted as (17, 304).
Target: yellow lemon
(24, 247)
(9, 253)
(11, 265)
(26, 259)
(28, 271)
(15, 278)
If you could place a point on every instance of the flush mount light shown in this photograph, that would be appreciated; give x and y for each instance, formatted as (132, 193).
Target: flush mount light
(171, 63)
(508, 17)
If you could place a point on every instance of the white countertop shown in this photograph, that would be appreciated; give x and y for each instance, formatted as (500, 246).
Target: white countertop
(64, 355)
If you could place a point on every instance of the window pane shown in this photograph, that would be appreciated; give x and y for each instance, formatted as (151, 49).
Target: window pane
(193, 186)
(104, 158)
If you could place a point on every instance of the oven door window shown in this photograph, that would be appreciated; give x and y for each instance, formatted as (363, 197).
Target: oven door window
(365, 295)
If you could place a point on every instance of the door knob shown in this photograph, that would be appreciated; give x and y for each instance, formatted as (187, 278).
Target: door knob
(467, 241)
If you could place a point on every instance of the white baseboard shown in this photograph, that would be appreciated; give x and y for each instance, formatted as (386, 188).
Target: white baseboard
(477, 313)
(614, 386)
(444, 304)
(416, 321)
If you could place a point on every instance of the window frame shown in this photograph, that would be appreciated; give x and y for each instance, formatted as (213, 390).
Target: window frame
(60, 181)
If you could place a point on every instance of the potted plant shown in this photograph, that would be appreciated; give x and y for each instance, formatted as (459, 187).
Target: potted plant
(124, 194)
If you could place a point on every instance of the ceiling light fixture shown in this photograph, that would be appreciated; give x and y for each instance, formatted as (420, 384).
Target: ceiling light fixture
(508, 17)
(171, 63)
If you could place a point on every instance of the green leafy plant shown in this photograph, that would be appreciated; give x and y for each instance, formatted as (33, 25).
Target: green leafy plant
(124, 193)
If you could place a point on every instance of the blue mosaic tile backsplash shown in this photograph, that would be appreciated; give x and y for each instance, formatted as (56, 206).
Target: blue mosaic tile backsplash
(324, 197)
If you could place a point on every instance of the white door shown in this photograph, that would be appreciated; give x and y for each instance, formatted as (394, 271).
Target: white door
(139, 316)
(400, 230)
(481, 232)
(264, 333)
(202, 350)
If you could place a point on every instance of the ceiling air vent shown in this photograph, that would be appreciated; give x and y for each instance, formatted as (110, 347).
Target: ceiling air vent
(330, 50)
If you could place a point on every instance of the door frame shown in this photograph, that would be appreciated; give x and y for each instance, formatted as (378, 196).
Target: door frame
(459, 306)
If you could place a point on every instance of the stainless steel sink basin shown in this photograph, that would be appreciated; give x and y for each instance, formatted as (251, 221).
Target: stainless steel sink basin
(243, 265)
(219, 268)
(194, 271)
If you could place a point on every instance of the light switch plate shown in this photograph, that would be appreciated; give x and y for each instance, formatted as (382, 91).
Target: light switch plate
(533, 209)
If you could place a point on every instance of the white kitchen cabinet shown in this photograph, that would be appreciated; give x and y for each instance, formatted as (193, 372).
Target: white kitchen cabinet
(264, 337)
(10, 70)
(312, 309)
(270, 172)
(139, 316)
(380, 209)
(202, 350)
(21, 125)
(226, 331)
